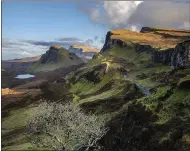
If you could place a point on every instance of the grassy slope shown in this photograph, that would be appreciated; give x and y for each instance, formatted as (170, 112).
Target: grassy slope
(174, 96)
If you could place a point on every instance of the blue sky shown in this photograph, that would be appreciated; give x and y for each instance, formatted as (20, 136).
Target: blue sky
(46, 21)
(29, 28)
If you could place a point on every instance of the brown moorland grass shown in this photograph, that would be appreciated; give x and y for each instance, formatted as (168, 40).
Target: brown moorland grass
(86, 48)
(156, 37)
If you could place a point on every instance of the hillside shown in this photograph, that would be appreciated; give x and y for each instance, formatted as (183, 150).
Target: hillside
(54, 58)
(137, 79)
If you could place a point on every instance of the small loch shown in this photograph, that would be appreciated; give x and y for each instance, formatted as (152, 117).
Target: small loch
(24, 76)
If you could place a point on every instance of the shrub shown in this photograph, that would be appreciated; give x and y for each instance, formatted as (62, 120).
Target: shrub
(65, 126)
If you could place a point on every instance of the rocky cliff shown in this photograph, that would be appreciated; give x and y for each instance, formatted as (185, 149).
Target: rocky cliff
(168, 46)
(51, 55)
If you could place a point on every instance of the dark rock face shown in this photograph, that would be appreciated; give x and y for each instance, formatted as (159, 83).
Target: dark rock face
(109, 43)
(50, 56)
(143, 48)
(180, 57)
(163, 56)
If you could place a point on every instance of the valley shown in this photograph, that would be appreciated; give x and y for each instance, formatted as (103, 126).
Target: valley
(134, 95)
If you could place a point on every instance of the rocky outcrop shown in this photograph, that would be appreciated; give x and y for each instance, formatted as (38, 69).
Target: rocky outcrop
(180, 57)
(163, 56)
(110, 42)
(50, 56)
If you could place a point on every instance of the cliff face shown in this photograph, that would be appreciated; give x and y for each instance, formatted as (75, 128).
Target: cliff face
(168, 46)
(110, 42)
(180, 56)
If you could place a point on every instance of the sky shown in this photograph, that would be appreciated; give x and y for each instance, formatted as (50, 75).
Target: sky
(30, 28)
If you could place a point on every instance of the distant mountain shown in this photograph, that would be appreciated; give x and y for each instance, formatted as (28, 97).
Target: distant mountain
(83, 51)
(28, 59)
(19, 65)
(54, 58)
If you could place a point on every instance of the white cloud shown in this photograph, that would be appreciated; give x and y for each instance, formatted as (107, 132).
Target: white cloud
(185, 25)
(138, 2)
(135, 14)
(95, 15)
(118, 12)
(161, 14)
(135, 28)
(12, 49)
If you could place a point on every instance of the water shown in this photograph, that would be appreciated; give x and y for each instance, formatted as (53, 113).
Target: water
(24, 76)
(145, 91)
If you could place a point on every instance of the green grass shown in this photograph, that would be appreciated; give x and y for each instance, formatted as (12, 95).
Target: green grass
(84, 87)
(13, 135)
(130, 55)
(153, 101)
(104, 95)
(147, 83)
(178, 104)
(168, 104)
(25, 146)
(18, 118)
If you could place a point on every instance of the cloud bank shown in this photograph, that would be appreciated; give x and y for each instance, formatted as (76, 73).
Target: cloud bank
(135, 14)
